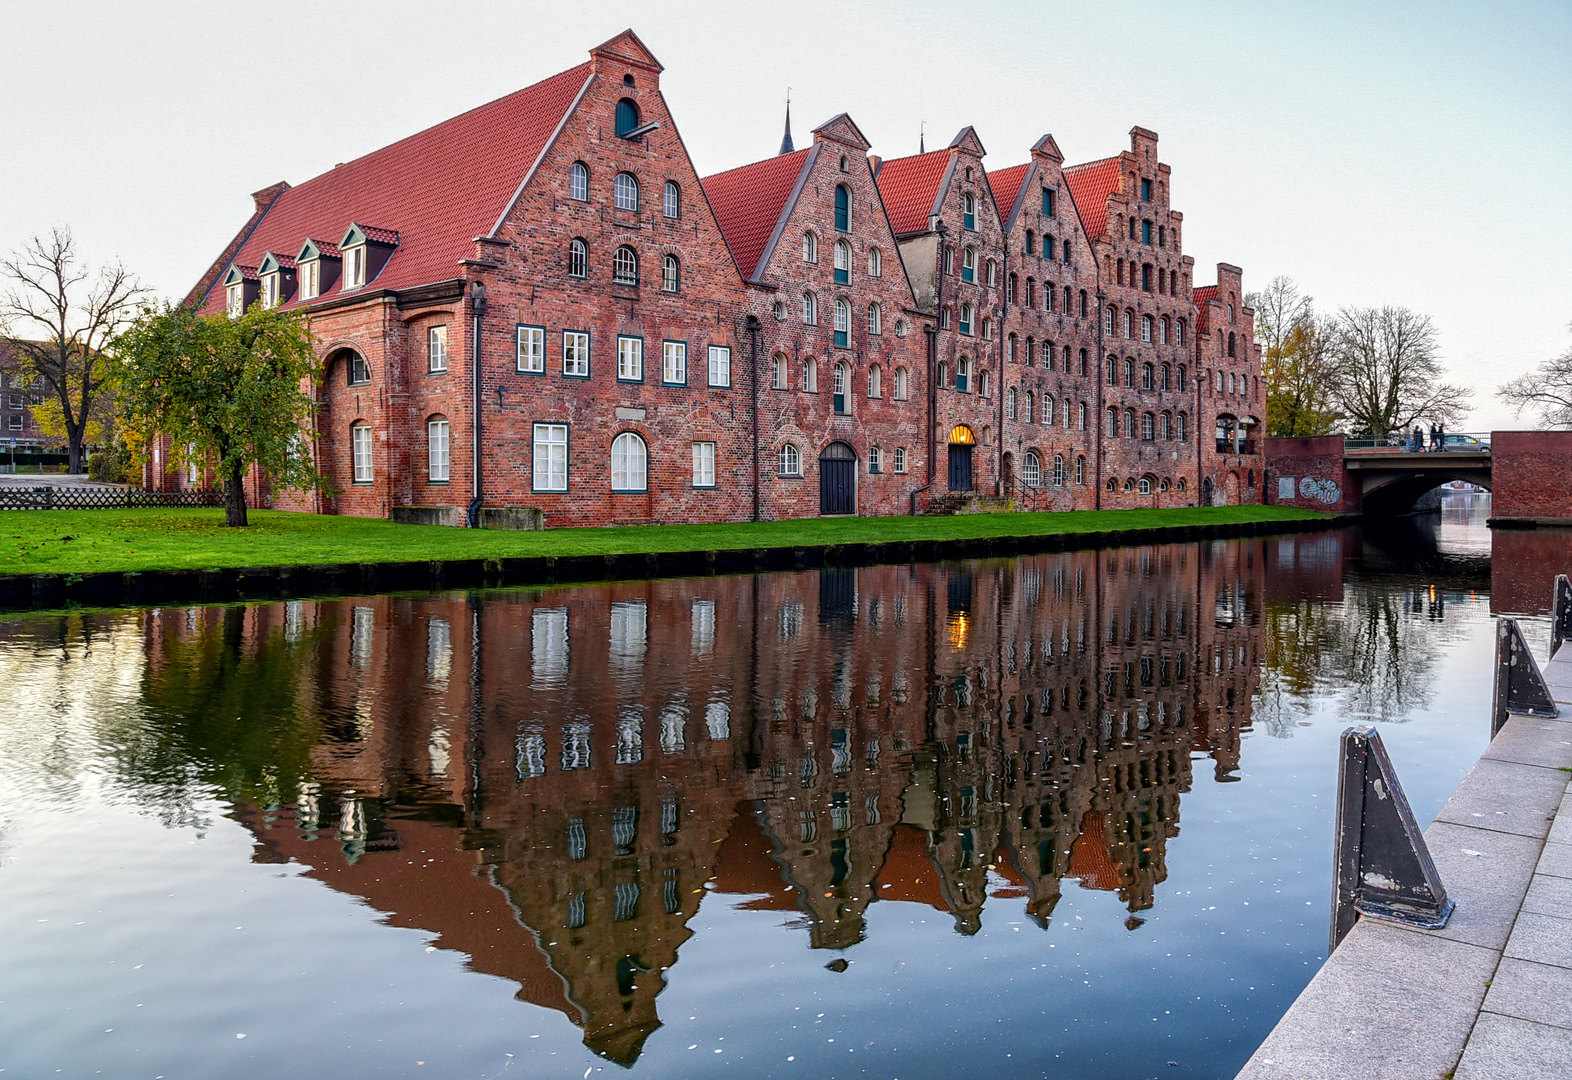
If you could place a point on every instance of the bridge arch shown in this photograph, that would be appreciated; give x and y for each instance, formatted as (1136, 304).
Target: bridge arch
(1394, 494)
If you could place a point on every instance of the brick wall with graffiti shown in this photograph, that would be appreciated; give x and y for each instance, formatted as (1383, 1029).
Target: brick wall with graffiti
(1309, 473)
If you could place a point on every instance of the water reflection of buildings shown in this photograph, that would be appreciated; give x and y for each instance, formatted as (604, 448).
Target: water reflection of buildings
(552, 780)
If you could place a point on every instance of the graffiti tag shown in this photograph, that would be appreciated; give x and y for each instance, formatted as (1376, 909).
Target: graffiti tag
(1324, 491)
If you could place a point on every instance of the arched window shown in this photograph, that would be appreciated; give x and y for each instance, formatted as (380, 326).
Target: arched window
(900, 328)
(875, 459)
(810, 248)
(900, 459)
(1009, 403)
(1031, 292)
(1009, 349)
(949, 260)
(1048, 296)
(900, 386)
(1145, 485)
(671, 200)
(1231, 342)
(1108, 321)
(670, 274)
(842, 323)
(841, 379)
(1112, 430)
(966, 318)
(875, 381)
(1031, 470)
(779, 309)
(1146, 328)
(778, 376)
(810, 375)
(625, 266)
(1058, 470)
(791, 460)
(843, 208)
(1179, 484)
(1113, 371)
(968, 210)
(842, 262)
(1029, 239)
(1167, 383)
(1129, 324)
(943, 377)
(578, 181)
(1162, 331)
(1180, 327)
(1183, 373)
(1009, 288)
(963, 374)
(810, 308)
(437, 450)
(1048, 409)
(1067, 309)
(578, 258)
(1166, 427)
(1129, 485)
(629, 463)
(1112, 485)
(990, 273)
(1148, 427)
(1181, 422)
(625, 191)
(875, 262)
(1084, 299)
(1129, 423)
(1231, 382)
(627, 118)
(969, 264)
(1129, 373)
(875, 319)
(1164, 485)
(1082, 368)
(987, 329)
(1148, 377)
(1080, 470)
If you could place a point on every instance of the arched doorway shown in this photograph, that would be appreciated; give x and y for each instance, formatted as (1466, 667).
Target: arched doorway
(1231, 491)
(1206, 491)
(838, 479)
(1007, 473)
(961, 443)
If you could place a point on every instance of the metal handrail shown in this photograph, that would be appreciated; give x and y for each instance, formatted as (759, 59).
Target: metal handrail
(1398, 440)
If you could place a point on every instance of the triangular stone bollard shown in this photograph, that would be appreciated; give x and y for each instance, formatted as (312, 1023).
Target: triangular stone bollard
(1519, 686)
(1560, 614)
(1383, 868)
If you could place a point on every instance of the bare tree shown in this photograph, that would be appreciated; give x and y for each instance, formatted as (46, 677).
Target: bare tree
(1279, 308)
(1296, 359)
(60, 316)
(1547, 390)
(1386, 372)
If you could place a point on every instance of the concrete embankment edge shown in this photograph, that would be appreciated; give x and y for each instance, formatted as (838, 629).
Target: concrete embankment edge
(21, 592)
(1490, 994)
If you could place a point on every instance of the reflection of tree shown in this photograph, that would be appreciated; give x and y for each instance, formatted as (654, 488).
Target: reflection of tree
(1374, 654)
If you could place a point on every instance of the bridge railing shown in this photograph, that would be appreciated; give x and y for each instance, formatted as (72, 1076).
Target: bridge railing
(1398, 442)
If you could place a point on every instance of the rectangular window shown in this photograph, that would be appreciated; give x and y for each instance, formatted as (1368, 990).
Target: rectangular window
(630, 359)
(360, 446)
(703, 464)
(720, 365)
(437, 451)
(575, 354)
(532, 349)
(437, 348)
(551, 457)
(1146, 191)
(355, 267)
(1047, 202)
(235, 304)
(674, 363)
(16, 423)
(310, 279)
(270, 290)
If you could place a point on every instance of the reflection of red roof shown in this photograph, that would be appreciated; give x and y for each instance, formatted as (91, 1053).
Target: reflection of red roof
(438, 189)
(1006, 186)
(1089, 858)
(909, 187)
(746, 864)
(748, 202)
(908, 871)
(1090, 185)
(1002, 866)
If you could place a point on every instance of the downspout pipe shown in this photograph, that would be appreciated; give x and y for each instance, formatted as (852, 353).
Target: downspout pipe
(477, 307)
(754, 326)
(941, 230)
(1102, 435)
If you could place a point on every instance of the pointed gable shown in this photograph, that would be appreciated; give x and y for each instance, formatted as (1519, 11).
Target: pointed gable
(913, 188)
(1007, 185)
(1047, 147)
(1090, 185)
(842, 129)
(439, 189)
(625, 48)
(966, 140)
(751, 204)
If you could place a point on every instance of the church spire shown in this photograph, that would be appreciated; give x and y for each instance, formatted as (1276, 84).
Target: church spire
(786, 145)
(921, 130)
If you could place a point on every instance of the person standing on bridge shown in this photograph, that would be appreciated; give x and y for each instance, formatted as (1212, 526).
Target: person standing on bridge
(1441, 436)
(1435, 438)
(1417, 443)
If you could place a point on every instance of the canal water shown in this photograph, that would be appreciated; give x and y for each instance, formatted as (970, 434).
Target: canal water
(1064, 815)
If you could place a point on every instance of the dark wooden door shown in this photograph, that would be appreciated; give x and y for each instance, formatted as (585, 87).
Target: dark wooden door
(960, 468)
(838, 480)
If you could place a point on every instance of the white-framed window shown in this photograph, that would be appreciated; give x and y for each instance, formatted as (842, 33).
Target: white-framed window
(670, 274)
(779, 310)
(532, 349)
(720, 365)
(578, 182)
(875, 381)
(840, 386)
(875, 319)
(360, 449)
(810, 309)
(791, 460)
(944, 318)
(875, 459)
(810, 248)
(359, 370)
(779, 379)
(875, 263)
(1146, 328)
(842, 322)
(843, 257)
(987, 329)
(355, 267)
(810, 375)
(551, 457)
(629, 463)
(969, 264)
(1058, 470)
(625, 266)
(990, 273)
(966, 319)
(576, 354)
(270, 289)
(1048, 410)
(900, 459)
(900, 385)
(235, 301)
(1009, 403)
(625, 192)
(437, 348)
(1031, 470)
(310, 278)
(703, 464)
(1129, 324)
(671, 200)
(674, 363)
(630, 359)
(437, 451)
(578, 258)
(1162, 331)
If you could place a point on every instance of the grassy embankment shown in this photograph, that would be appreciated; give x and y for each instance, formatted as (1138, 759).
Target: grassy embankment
(84, 541)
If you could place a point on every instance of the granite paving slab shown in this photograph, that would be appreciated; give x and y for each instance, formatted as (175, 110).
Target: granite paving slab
(1506, 796)
(1506, 1048)
(1541, 993)
(1544, 939)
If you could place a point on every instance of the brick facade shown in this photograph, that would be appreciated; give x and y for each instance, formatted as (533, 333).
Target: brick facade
(531, 199)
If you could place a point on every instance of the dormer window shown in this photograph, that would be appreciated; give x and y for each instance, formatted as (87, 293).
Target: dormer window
(241, 289)
(365, 251)
(355, 267)
(235, 301)
(270, 289)
(277, 277)
(310, 279)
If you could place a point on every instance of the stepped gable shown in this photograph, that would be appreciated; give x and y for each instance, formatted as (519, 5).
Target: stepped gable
(752, 202)
(912, 188)
(437, 190)
(1090, 185)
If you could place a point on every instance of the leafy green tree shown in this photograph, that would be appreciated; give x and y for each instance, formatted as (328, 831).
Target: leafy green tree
(1296, 360)
(234, 389)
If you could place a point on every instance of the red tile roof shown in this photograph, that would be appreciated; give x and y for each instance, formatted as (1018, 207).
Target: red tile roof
(1006, 186)
(1090, 185)
(439, 189)
(1201, 296)
(909, 186)
(748, 202)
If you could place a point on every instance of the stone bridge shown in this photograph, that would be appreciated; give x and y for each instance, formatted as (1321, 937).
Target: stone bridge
(1529, 474)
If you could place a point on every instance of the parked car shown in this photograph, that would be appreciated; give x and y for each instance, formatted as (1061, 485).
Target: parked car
(1465, 444)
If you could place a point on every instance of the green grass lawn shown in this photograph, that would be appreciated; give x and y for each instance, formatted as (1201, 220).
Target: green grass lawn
(82, 541)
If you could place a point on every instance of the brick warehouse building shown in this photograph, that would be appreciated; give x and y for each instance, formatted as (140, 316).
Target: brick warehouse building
(539, 307)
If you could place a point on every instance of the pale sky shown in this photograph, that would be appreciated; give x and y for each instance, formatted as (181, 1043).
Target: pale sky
(1378, 153)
